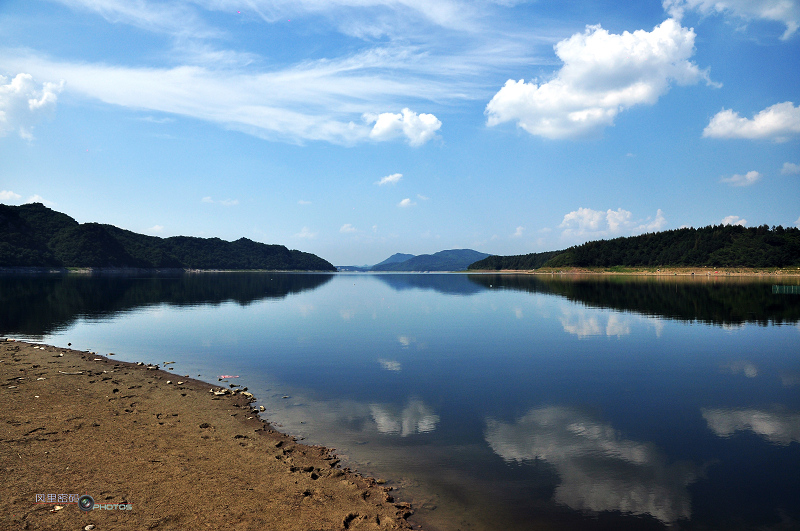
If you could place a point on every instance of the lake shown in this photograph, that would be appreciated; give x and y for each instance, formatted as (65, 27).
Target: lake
(491, 402)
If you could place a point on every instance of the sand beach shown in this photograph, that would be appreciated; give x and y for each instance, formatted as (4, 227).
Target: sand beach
(156, 450)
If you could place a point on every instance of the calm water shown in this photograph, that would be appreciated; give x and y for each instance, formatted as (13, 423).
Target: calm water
(490, 402)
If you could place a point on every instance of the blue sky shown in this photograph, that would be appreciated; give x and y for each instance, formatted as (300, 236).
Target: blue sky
(355, 129)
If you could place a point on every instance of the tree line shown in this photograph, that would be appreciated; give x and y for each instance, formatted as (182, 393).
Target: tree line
(711, 246)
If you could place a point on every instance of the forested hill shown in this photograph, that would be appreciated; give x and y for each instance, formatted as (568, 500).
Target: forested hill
(450, 260)
(712, 246)
(35, 236)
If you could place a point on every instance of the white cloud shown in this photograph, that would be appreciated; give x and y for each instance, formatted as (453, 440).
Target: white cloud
(778, 427)
(312, 101)
(422, 197)
(603, 74)
(747, 179)
(597, 223)
(22, 103)
(223, 202)
(777, 122)
(417, 128)
(790, 168)
(786, 12)
(306, 233)
(346, 228)
(36, 198)
(156, 228)
(518, 232)
(302, 202)
(405, 203)
(733, 220)
(598, 469)
(390, 179)
(8, 195)
(797, 223)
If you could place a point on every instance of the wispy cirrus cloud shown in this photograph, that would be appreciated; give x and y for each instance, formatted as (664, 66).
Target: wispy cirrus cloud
(786, 12)
(377, 91)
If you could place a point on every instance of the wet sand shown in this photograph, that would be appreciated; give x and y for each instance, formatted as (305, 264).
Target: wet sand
(160, 451)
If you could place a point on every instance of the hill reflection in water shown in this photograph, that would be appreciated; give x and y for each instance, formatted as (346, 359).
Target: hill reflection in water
(36, 305)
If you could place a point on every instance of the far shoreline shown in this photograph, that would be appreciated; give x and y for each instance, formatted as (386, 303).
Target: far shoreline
(665, 271)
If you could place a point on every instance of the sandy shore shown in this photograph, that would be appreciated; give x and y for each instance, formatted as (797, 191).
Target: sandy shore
(160, 451)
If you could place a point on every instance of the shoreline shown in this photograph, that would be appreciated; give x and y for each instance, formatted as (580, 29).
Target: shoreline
(175, 451)
(715, 272)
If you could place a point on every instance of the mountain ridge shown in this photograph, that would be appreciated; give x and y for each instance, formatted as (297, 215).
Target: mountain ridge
(34, 235)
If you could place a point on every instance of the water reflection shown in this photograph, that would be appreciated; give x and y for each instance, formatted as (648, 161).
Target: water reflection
(598, 469)
(728, 302)
(415, 417)
(583, 325)
(778, 427)
(35, 306)
(448, 284)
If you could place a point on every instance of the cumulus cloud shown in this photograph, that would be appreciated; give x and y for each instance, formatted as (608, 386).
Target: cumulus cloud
(518, 233)
(405, 203)
(22, 103)
(156, 228)
(733, 220)
(36, 198)
(346, 228)
(797, 223)
(8, 195)
(786, 12)
(416, 417)
(603, 74)
(302, 202)
(390, 179)
(778, 427)
(778, 122)
(790, 168)
(598, 469)
(306, 233)
(747, 179)
(417, 128)
(598, 223)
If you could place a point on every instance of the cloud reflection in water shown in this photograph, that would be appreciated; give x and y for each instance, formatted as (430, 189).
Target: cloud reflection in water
(778, 427)
(416, 417)
(599, 470)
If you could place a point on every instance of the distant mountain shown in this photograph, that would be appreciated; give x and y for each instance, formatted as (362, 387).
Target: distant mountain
(395, 259)
(33, 235)
(452, 260)
(712, 246)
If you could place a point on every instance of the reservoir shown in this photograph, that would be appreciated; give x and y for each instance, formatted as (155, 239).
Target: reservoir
(490, 402)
